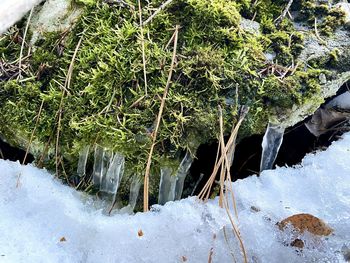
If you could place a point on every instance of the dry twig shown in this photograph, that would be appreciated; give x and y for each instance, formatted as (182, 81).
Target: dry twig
(32, 135)
(66, 85)
(148, 167)
(23, 43)
(285, 12)
(162, 7)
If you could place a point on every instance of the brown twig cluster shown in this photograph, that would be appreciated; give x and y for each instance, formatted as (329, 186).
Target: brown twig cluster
(279, 71)
(223, 163)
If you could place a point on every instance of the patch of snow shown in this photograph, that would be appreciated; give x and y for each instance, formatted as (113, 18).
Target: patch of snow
(36, 216)
(342, 101)
(54, 16)
(13, 10)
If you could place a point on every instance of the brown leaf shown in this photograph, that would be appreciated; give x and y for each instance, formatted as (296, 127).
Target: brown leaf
(140, 233)
(63, 239)
(306, 222)
(184, 259)
(297, 243)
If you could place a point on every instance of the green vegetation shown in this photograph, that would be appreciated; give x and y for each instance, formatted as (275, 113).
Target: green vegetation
(218, 63)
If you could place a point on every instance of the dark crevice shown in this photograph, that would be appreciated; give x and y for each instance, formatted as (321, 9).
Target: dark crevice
(8, 152)
(297, 142)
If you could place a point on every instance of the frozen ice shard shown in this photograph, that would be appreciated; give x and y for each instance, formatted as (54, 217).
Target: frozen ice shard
(97, 172)
(110, 182)
(182, 172)
(83, 156)
(133, 195)
(270, 145)
(167, 185)
(134, 191)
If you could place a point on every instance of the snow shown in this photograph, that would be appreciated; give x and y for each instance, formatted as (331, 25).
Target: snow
(342, 101)
(13, 10)
(41, 211)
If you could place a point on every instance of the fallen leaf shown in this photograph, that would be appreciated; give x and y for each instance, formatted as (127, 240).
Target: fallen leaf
(306, 222)
(184, 259)
(297, 243)
(140, 233)
(63, 239)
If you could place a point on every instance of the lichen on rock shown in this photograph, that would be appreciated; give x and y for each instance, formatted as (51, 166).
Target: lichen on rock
(221, 60)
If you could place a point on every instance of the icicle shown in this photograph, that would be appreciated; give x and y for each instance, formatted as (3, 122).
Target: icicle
(167, 186)
(134, 191)
(133, 195)
(271, 144)
(197, 183)
(110, 182)
(83, 156)
(97, 173)
(182, 172)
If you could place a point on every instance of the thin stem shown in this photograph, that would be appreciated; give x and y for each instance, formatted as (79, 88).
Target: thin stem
(143, 47)
(66, 85)
(23, 43)
(162, 7)
(159, 117)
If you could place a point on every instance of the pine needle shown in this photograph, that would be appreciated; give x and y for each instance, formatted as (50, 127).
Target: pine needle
(162, 6)
(225, 177)
(23, 43)
(143, 47)
(159, 117)
(66, 88)
(32, 135)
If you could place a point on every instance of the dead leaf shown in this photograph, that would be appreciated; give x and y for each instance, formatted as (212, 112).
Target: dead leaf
(63, 239)
(297, 243)
(306, 222)
(184, 259)
(140, 233)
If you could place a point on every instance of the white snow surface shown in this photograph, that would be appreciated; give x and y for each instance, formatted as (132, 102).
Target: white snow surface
(342, 101)
(13, 10)
(35, 216)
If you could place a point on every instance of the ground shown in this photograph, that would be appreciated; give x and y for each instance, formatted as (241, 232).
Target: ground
(44, 221)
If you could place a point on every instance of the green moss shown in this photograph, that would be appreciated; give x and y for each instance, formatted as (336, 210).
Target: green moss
(328, 19)
(217, 64)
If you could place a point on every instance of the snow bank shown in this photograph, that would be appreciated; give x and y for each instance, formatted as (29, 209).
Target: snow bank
(44, 221)
(13, 10)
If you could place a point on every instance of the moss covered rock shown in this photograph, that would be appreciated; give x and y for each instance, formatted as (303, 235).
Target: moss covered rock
(85, 76)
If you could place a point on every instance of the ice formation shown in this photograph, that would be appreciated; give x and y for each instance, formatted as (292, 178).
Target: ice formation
(270, 145)
(83, 157)
(45, 221)
(133, 195)
(108, 170)
(182, 172)
(110, 183)
(99, 167)
(166, 186)
(171, 185)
